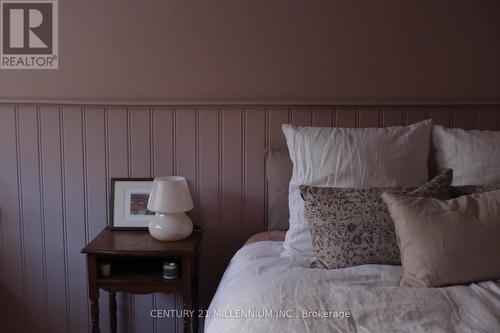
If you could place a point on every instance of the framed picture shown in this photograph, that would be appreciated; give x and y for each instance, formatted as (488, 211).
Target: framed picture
(129, 201)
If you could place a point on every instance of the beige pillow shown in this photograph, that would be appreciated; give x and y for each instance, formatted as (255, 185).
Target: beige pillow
(447, 242)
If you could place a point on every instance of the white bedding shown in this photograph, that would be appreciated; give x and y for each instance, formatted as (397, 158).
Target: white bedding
(262, 291)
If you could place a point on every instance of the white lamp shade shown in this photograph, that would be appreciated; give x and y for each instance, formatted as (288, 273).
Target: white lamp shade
(170, 195)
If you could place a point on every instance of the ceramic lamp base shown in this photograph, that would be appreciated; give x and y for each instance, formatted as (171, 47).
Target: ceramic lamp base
(170, 227)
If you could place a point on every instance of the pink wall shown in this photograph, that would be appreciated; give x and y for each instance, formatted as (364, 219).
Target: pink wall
(258, 50)
(54, 188)
(57, 158)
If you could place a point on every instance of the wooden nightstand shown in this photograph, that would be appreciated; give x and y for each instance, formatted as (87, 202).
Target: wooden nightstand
(136, 267)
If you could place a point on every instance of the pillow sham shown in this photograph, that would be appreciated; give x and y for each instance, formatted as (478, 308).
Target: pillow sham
(353, 226)
(473, 155)
(447, 242)
(354, 158)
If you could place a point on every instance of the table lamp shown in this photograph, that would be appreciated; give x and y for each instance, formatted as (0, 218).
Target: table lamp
(170, 198)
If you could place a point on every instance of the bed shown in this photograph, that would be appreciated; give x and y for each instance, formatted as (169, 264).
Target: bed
(271, 285)
(280, 289)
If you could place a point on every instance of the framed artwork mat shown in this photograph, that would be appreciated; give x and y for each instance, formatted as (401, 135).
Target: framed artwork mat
(129, 200)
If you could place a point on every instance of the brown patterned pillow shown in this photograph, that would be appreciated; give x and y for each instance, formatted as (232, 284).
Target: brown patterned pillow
(353, 226)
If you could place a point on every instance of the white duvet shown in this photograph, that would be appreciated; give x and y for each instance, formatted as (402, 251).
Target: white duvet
(264, 292)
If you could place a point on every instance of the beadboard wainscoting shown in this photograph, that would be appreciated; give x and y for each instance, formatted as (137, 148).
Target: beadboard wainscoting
(56, 164)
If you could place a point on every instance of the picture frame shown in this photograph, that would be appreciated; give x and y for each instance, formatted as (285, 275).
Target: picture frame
(128, 203)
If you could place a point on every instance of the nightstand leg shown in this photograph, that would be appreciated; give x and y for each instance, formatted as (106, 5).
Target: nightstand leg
(195, 317)
(94, 311)
(93, 292)
(187, 319)
(195, 295)
(195, 306)
(112, 312)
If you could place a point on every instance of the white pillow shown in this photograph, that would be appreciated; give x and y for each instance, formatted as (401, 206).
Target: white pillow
(474, 155)
(350, 157)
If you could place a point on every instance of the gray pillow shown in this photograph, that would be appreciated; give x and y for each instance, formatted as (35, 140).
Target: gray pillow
(278, 173)
(447, 242)
(353, 226)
